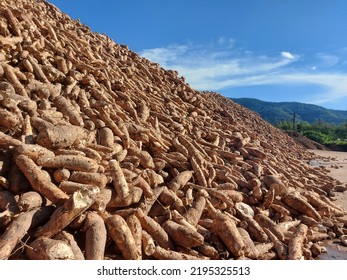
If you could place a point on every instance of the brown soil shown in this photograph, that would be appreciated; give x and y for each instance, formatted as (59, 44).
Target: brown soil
(336, 163)
(306, 142)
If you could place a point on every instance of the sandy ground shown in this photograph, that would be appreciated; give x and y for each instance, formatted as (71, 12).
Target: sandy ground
(336, 162)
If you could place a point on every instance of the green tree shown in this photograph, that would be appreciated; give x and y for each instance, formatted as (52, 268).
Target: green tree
(303, 126)
(318, 136)
(285, 125)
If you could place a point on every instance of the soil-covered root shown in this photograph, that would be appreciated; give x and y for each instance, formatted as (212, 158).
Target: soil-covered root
(45, 248)
(164, 254)
(296, 243)
(96, 236)
(29, 200)
(70, 162)
(39, 181)
(300, 204)
(183, 235)
(19, 227)
(155, 230)
(78, 203)
(225, 228)
(69, 239)
(122, 236)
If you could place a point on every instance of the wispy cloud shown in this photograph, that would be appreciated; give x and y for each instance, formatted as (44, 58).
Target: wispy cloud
(221, 65)
(167, 55)
(287, 55)
(215, 63)
(333, 85)
(328, 59)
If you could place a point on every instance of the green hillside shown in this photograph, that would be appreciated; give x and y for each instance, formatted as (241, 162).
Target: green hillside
(275, 112)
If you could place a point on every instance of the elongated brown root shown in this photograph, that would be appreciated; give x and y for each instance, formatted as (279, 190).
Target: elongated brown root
(163, 254)
(280, 248)
(17, 229)
(148, 245)
(60, 136)
(194, 213)
(70, 240)
(296, 243)
(106, 137)
(266, 222)
(34, 151)
(148, 202)
(78, 203)
(226, 230)
(272, 181)
(134, 196)
(169, 198)
(155, 230)
(297, 202)
(146, 159)
(98, 179)
(136, 229)
(315, 201)
(61, 174)
(209, 251)
(180, 180)
(7, 141)
(65, 106)
(183, 235)
(71, 187)
(199, 174)
(250, 249)
(122, 236)
(8, 119)
(119, 182)
(39, 181)
(45, 248)
(71, 162)
(96, 236)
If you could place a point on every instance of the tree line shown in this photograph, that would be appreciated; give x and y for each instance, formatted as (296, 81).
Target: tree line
(320, 131)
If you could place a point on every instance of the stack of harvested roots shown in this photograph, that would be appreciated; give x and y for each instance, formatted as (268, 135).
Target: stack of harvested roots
(105, 155)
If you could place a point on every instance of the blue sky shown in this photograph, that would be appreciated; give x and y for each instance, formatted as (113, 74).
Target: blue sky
(274, 50)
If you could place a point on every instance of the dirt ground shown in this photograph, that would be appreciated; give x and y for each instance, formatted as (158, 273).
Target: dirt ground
(336, 162)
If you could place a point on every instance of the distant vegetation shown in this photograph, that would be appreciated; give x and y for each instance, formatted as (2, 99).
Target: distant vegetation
(328, 127)
(331, 135)
(276, 112)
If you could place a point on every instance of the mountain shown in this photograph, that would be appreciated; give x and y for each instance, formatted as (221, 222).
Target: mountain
(275, 112)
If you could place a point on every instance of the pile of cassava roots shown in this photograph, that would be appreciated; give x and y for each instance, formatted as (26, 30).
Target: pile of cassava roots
(106, 155)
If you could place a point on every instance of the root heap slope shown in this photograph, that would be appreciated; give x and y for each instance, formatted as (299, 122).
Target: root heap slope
(106, 155)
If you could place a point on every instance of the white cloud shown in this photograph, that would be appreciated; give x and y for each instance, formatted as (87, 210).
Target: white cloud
(287, 55)
(333, 85)
(217, 66)
(328, 59)
(165, 56)
(227, 42)
(198, 63)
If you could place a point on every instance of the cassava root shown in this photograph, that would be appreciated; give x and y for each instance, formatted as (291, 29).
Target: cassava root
(106, 155)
